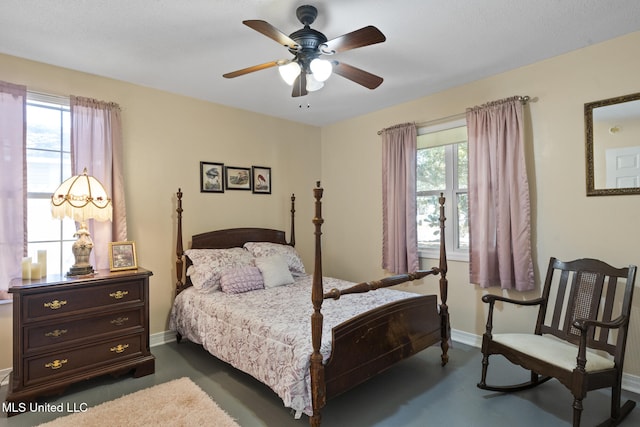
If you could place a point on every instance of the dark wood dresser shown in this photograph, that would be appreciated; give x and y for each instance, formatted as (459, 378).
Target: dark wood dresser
(70, 329)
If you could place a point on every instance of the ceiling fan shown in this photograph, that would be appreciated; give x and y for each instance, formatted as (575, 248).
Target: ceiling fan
(307, 71)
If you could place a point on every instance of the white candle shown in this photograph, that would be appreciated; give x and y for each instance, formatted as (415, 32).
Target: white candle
(42, 260)
(26, 268)
(35, 271)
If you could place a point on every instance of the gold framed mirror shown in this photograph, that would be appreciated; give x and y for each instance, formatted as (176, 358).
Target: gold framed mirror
(612, 133)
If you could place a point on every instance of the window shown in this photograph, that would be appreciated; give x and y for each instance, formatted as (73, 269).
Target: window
(442, 165)
(48, 164)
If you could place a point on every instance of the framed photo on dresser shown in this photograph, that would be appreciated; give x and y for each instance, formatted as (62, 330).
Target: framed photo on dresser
(122, 256)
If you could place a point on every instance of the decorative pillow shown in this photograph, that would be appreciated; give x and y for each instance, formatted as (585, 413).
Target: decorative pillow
(275, 271)
(241, 279)
(208, 265)
(262, 249)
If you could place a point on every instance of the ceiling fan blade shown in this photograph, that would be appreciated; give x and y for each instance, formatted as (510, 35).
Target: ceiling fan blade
(363, 37)
(248, 70)
(300, 85)
(364, 78)
(272, 32)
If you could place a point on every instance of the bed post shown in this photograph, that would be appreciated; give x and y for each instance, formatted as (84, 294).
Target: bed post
(179, 249)
(292, 236)
(444, 288)
(318, 396)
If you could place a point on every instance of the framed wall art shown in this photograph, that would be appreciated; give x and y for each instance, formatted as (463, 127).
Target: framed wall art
(122, 256)
(211, 177)
(237, 178)
(261, 179)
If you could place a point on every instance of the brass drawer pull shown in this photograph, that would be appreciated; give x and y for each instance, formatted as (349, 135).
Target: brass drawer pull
(119, 321)
(55, 304)
(57, 333)
(119, 348)
(56, 364)
(119, 294)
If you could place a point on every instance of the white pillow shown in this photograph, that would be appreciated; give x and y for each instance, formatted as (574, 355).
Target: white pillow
(275, 271)
(261, 249)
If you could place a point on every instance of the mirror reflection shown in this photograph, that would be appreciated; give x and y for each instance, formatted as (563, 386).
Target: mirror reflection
(613, 145)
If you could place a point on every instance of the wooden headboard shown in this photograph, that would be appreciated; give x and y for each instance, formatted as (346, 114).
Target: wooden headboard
(236, 237)
(224, 239)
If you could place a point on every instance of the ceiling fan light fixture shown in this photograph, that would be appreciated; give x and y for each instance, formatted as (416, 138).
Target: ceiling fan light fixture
(313, 84)
(289, 72)
(307, 46)
(321, 69)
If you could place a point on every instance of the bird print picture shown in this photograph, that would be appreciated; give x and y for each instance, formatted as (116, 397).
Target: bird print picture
(261, 180)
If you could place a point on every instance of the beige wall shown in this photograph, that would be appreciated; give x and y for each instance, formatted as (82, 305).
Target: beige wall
(168, 135)
(566, 224)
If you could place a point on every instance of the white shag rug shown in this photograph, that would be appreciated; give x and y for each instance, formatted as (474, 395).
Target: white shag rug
(175, 403)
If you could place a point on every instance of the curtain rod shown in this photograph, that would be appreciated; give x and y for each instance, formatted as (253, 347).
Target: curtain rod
(524, 99)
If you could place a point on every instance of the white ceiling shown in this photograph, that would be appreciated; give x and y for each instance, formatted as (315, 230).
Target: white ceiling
(184, 46)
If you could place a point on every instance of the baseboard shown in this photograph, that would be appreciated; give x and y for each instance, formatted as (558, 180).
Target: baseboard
(4, 376)
(629, 382)
(463, 337)
(161, 338)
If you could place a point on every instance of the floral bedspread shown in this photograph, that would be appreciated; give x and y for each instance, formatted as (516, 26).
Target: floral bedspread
(267, 333)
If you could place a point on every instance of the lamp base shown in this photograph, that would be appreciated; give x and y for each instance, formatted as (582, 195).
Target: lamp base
(80, 271)
(81, 250)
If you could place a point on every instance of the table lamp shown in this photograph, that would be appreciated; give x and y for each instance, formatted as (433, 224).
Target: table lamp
(81, 198)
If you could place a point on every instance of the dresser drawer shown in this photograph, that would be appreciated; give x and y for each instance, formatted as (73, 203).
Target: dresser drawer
(72, 361)
(65, 302)
(42, 337)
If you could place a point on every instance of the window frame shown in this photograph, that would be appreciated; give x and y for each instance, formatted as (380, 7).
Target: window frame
(452, 193)
(64, 242)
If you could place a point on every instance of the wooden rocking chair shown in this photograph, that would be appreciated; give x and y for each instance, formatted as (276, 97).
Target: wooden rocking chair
(580, 335)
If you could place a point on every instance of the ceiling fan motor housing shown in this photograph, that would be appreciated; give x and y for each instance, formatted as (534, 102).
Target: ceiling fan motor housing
(308, 41)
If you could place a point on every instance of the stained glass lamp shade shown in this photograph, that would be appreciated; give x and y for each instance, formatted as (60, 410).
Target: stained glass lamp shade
(81, 198)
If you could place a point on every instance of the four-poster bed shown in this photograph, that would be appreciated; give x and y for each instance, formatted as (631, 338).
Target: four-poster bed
(263, 329)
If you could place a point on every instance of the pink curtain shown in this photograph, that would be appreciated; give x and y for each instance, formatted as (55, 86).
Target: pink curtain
(399, 236)
(499, 208)
(96, 143)
(13, 182)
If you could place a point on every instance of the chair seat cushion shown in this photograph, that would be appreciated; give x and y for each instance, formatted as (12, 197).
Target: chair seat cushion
(553, 351)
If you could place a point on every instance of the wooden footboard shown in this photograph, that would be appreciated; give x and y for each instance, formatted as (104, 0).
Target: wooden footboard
(372, 342)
